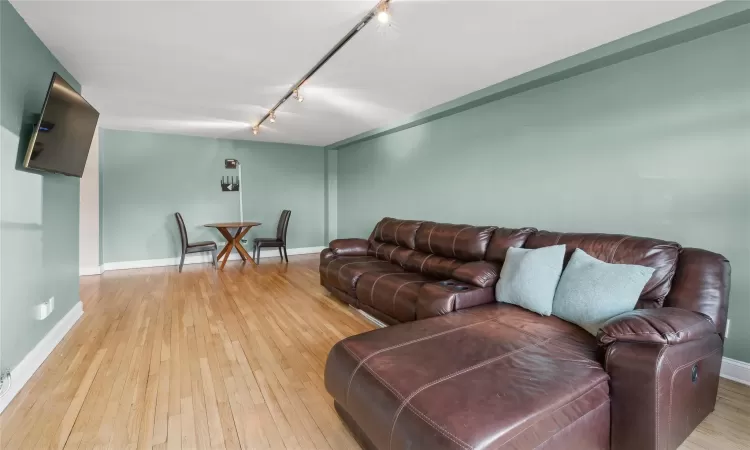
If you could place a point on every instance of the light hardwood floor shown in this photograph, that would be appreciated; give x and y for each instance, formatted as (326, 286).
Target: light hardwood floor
(214, 360)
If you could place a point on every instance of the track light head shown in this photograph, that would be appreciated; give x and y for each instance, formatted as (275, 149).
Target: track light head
(298, 96)
(255, 129)
(384, 16)
(272, 116)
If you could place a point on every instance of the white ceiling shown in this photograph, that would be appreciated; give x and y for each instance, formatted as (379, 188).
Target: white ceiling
(212, 68)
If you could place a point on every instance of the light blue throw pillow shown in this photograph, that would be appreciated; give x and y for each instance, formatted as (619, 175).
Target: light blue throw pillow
(529, 277)
(591, 291)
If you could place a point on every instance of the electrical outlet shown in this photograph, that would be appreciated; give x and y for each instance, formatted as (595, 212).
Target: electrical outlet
(726, 333)
(43, 310)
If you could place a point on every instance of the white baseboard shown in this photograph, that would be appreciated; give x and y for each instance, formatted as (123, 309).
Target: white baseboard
(87, 271)
(734, 370)
(370, 318)
(22, 373)
(198, 258)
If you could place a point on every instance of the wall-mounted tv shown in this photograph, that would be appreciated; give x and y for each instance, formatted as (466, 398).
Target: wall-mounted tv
(61, 139)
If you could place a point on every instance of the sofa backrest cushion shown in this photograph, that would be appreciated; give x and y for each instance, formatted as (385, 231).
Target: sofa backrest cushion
(503, 239)
(432, 265)
(622, 249)
(390, 252)
(396, 232)
(464, 242)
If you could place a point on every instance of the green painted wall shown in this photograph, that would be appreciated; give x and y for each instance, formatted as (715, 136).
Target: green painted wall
(657, 145)
(38, 214)
(147, 177)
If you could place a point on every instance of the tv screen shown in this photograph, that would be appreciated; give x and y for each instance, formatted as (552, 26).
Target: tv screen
(61, 139)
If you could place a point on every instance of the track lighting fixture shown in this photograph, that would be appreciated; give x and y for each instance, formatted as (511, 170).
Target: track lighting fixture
(381, 11)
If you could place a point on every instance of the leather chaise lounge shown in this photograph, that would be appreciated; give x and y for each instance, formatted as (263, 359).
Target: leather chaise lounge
(463, 371)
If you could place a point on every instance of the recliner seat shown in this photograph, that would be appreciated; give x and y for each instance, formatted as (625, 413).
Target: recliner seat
(415, 256)
(477, 374)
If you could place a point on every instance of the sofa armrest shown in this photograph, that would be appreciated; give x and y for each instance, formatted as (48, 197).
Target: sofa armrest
(664, 366)
(660, 392)
(349, 247)
(326, 256)
(657, 326)
(436, 299)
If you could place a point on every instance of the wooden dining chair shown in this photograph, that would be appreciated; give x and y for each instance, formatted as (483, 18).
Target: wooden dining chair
(195, 247)
(278, 242)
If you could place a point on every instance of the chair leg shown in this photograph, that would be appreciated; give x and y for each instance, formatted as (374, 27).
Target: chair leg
(182, 261)
(286, 256)
(257, 258)
(213, 257)
(280, 255)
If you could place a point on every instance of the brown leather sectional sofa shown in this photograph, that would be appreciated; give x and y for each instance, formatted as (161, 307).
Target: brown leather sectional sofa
(477, 374)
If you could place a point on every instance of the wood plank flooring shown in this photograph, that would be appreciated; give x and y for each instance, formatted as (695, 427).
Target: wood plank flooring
(214, 360)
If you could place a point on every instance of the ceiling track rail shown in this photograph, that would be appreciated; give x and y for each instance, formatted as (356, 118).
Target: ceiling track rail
(294, 90)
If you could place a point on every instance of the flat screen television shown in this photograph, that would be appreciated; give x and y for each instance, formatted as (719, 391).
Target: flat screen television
(61, 139)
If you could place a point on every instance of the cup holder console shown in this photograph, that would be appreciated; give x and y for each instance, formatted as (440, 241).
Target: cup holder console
(453, 286)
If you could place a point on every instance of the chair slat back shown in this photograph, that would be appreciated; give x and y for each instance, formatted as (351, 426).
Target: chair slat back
(283, 225)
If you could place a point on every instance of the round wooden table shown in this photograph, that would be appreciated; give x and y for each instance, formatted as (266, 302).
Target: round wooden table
(233, 240)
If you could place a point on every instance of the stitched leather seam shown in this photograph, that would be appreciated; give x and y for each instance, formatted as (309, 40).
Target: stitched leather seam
(553, 411)
(671, 385)
(453, 375)
(395, 235)
(453, 246)
(610, 349)
(381, 228)
(573, 354)
(667, 336)
(614, 251)
(421, 266)
(427, 420)
(606, 402)
(338, 272)
(557, 241)
(616, 335)
(429, 238)
(435, 426)
(445, 432)
(667, 280)
(351, 352)
(327, 269)
(403, 344)
(377, 249)
(658, 370)
(668, 363)
(372, 289)
(393, 300)
(391, 255)
(685, 330)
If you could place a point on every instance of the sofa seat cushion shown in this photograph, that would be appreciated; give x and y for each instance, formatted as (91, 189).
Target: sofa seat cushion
(494, 376)
(393, 294)
(343, 272)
